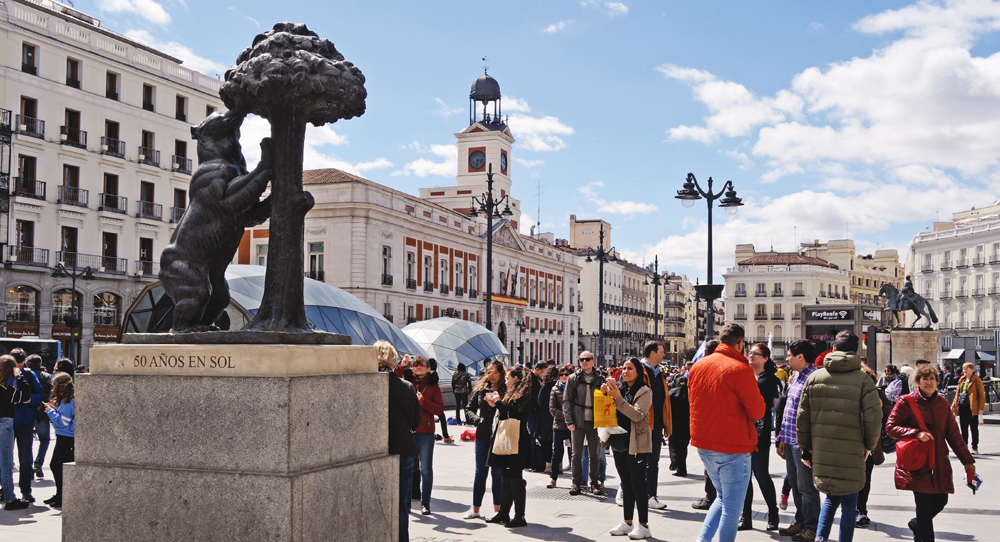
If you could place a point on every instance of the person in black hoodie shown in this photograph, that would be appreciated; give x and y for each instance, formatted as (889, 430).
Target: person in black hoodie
(404, 418)
(11, 394)
(680, 437)
(543, 423)
(537, 461)
(515, 404)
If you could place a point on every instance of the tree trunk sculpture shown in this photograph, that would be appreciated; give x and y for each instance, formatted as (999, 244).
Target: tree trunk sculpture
(290, 76)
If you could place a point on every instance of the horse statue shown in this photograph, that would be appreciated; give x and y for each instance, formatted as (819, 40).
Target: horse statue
(916, 303)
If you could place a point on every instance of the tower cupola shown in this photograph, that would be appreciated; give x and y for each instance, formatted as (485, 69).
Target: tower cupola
(484, 91)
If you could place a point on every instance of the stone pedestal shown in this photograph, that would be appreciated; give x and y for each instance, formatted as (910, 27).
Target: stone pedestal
(909, 345)
(231, 442)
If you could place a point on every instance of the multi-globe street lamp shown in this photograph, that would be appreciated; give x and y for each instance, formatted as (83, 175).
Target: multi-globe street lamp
(491, 207)
(72, 319)
(692, 192)
(656, 280)
(602, 256)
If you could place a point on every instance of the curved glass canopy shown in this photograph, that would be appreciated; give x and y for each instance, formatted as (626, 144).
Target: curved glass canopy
(452, 341)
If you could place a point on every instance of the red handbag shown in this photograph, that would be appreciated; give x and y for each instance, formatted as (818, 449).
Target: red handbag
(911, 454)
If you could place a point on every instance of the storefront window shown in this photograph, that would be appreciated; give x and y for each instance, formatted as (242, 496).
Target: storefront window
(61, 303)
(22, 304)
(107, 307)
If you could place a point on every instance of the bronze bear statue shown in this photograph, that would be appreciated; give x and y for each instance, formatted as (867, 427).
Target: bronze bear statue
(224, 201)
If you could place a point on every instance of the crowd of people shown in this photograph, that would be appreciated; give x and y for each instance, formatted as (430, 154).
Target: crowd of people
(33, 405)
(830, 418)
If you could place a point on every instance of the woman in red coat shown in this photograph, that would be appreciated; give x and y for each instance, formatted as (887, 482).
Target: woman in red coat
(931, 484)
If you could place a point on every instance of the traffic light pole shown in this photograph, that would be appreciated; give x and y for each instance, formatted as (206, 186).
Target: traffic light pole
(72, 319)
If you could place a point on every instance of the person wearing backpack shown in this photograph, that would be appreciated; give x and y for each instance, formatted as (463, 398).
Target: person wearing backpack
(461, 386)
(925, 415)
(42, 424)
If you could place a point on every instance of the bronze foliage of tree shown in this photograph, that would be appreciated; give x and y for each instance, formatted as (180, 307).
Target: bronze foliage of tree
(290, 76)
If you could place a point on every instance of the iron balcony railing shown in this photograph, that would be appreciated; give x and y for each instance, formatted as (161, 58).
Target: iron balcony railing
(740, 316)
(411, 284)
(946, 266)
(148, 106)
(962, 263)
(995, 291)
(111, 95)
(926, 268)
(27, 256)
(29, 69)
(147, 268)
(410, 320)
(180, 164)
(798, 293)
(459, 291)
(71, 195)
(387, 317)
(946, 294)
(100, 264)
(113, 203)
(176, 213)
(741, 293)
(149, 156)
(995, 258)
(148, 209)
(315, 275)
(29, 188)
(760, 293)
(73, 136)
(444, 288)
(978, 292)
(428, 286)
(473, 293)
(181, 117)
(31, 126)
(5, 119)
(978, 261)
(777, 293)
(70, 82)
(112, 147)
(386, 280)
(962, 292)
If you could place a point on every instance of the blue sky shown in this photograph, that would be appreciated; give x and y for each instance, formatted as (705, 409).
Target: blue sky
(859, 119)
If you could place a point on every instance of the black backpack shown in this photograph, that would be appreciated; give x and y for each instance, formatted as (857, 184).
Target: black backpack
(45, 379)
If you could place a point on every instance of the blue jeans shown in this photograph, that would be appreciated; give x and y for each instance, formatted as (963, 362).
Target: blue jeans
(602, 467)
(405, 483)
(7, 458)
(425, 449)
(804, 493)
(848, 505)
(730, 474)
(482, 469)
(42, 430)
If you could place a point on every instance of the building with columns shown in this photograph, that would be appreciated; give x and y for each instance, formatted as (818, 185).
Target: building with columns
(416, 258)
(95, 160)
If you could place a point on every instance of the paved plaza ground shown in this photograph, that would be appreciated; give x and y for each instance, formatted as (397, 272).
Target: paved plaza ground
(553, 514)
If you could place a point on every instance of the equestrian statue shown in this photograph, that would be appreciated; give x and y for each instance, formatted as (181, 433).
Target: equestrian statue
(907, 300)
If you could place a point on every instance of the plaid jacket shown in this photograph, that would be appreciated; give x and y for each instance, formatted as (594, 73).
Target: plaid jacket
(787, 434)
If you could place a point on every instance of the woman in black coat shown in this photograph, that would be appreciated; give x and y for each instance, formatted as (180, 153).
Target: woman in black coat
(769, 386)
(516, 404)
(543, 424)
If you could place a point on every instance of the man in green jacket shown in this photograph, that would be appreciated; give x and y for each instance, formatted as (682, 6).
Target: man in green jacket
(839, 423)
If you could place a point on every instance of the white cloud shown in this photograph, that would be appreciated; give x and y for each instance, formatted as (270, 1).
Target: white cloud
(615, 207)
(556, 27)
(539, 134)
(512, 104)
(742, 158)
(422, 167)
(616, 8)
(444, 109)
(174, 49)
(147, 9)
(254, 21)
(529, 163)
(815, 28)
(255, 128)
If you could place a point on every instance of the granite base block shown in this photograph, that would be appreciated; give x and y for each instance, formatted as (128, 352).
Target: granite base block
(909, 345)
(355, 502)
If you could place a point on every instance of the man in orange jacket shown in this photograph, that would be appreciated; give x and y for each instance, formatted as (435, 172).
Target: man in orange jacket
(725, 401)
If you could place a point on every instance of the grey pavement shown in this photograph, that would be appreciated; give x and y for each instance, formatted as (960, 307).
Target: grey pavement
(553, 514)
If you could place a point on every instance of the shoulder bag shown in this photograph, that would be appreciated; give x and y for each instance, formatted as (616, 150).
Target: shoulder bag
(911, 453)
(507, 436)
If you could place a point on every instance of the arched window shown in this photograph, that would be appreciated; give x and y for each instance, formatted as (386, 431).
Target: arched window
(22, 304)
(62, 302)
(107, 309)
(761, 334)
(777, 334)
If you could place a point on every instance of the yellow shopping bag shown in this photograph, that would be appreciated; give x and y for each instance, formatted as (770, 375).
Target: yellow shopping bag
(605, 413)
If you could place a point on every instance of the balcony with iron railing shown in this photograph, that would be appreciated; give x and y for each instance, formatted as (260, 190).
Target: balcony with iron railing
(146, 268)
(994, 258)
(946, 294)
(411, 284)
(822, 293)
(740, 316)
(70, 195)
(572, 308)
(181, 116)
(777, 293)
(73, 136)
(29, 69)
(27, 256)
(926, 268)
(473, 293)
(180, 164)
(428, 286)
(5, 119)
(70, 82)
(315, 275)
(741, 293)
(111, 95)
(386, 280)
(961, 292)
(176, 214)
(31, 126)
(798, 293)
(150, 210)
(777, 316)
(962, 264)
(410, 320)
(760, 316)
(459, 291)
(978, 292)
(532, 303)
(995, 291)
(796, 316)
(559, 306)
(113, 203)
(148, 106)
(978, 261)
(149, 156)
(100, 264)
(978, 324)
(112, 147)
(760, 293)
(946, 266)
(29, 188)
(552, 306)
(444, 288)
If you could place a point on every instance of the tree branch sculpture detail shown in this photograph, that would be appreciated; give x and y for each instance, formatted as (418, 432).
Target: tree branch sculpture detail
(290, 76)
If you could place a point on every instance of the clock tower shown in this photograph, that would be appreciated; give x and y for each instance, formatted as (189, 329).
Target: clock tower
(485, 142)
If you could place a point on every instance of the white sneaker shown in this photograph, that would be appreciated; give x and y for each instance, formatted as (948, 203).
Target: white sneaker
(639, 532)
(622, 529)
(619, 500)
(655, 504)
(471, 515)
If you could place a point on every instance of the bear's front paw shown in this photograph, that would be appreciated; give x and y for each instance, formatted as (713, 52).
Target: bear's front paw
(266, 151)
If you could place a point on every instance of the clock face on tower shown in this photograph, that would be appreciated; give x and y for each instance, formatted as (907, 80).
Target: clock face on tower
(477, 159)
(503, 162)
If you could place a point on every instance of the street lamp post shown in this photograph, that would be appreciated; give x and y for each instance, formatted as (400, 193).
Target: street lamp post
(520, 344)
(491, 207)
(602, 256)
(656, 280)
(688, 195)
(72, 320)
